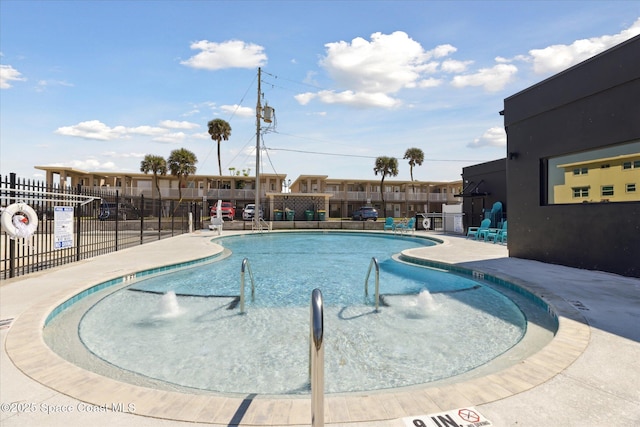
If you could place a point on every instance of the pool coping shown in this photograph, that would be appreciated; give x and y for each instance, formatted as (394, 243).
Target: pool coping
(26, 348)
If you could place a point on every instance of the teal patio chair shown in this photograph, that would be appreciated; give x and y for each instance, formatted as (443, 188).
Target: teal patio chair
(389, 224)
(502, 235)
(407, 226)
(493, 233)
(478, 232)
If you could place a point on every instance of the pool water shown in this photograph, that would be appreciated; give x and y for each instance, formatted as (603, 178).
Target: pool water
(288, 266)
(431, 324)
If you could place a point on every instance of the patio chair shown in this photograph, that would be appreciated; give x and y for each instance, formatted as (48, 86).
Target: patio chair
(389, 224)
(493, 233)
(407, 226)
(478, 232)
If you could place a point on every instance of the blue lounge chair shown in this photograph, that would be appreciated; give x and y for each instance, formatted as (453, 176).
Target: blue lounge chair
(389, 224)
(478, 232)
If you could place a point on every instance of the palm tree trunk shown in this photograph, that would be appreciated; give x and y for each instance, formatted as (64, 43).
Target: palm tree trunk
(413, 187)
(155, 178)
(219, 163)
(384, 210)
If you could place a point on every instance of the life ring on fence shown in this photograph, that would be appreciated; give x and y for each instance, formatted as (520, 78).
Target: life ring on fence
(19, 220)
(426, 223)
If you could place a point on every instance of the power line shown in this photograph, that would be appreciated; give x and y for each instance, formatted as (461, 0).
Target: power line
(366, 157)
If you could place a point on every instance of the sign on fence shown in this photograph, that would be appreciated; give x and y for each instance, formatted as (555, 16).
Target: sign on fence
(63, 227)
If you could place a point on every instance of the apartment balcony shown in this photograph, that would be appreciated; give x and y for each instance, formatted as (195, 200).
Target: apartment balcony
(250, 194)
(363, 196)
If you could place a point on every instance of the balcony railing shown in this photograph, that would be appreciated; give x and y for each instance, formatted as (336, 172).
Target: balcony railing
(250, 194)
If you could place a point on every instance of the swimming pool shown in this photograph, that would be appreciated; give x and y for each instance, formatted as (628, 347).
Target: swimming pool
(434, 324)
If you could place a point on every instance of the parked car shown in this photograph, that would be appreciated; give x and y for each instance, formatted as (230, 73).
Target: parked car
(124, 211)
(227, 210)
(364, 214)
(249, 211)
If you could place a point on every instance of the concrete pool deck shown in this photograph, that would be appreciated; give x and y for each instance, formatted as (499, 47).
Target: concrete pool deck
(587, 376)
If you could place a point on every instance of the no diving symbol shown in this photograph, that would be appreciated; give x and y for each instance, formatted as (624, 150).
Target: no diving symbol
(468, 415)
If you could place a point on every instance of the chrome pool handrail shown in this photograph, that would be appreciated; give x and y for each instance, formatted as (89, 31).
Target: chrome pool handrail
(246, 266)
(316, 359)
(374, 262)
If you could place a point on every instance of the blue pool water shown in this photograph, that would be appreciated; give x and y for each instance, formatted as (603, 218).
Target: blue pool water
(184, 328)
(288, 266)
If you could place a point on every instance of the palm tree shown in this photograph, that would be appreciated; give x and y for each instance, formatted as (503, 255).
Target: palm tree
(155, 164)
(219, 130)
(385, 166)
(181, 163)
(415, 156)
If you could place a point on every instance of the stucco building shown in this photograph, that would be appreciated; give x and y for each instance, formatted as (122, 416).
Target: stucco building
(338, 197)
(573, 163)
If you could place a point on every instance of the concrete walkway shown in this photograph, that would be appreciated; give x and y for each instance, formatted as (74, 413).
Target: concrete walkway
(587, 376)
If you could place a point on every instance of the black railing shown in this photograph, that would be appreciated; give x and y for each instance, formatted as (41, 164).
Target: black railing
(103, 221)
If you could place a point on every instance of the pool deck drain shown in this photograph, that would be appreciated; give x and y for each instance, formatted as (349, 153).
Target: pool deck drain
(587, 375)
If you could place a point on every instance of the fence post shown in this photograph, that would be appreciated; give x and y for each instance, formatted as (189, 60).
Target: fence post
(12, 242)
(78, 224)
(173, 216)
(117, 219)
(159, 216)
(141, 218)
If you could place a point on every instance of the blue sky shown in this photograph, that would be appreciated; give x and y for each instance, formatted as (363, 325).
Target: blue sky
(96, 85)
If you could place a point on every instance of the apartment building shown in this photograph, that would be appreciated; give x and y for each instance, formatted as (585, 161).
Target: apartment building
(338, 197)
(600, 179)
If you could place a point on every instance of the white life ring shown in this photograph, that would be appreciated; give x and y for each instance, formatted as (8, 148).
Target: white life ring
(19, 220)
(426, 223)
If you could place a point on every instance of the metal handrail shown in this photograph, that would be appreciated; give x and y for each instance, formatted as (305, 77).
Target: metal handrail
(264, 223)
(373, 262)
(316, 359)
(259, 225)
(246, 266)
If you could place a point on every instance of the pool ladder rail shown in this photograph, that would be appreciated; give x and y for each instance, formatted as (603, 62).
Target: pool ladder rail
(372, 264)
(246, 267)
(260, 225)
(316, 358)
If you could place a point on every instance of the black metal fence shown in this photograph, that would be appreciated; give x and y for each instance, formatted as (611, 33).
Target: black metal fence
(103, 220)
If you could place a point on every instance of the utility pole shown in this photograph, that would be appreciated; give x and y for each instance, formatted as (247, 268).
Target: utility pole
(256, 212)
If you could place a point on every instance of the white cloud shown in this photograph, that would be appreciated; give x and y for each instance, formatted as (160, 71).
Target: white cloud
(385, 64)
(191, 112)
(502, 60)
(304, 98)
(555, 58)
(9, 74)
(441, 51)
(228, 54)
(171, 138)
(200, 135)
(44, 84)
(174, 124)
(493, 137)
(492, 79)
(90, 164)
(430, 82)
(95, 129)
(453, 66)
(348, 97)
(238, 110)
(373, 70)
(140, 130)
(92, 129)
